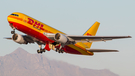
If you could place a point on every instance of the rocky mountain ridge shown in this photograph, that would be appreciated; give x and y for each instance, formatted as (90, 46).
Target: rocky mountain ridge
(22, 63)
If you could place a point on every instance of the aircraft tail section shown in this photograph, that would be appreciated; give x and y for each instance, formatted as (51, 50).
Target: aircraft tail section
(91, 32)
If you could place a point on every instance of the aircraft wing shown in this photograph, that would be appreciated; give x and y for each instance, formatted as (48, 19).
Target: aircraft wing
(27, 38)
(9, 38)
(95, 38)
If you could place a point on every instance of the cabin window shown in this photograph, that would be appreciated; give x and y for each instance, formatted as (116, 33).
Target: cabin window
(14, 14)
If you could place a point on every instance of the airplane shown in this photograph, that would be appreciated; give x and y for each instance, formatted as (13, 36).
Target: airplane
(51, 38)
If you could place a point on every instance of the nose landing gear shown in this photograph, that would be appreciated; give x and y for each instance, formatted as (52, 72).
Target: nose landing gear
(13, 32)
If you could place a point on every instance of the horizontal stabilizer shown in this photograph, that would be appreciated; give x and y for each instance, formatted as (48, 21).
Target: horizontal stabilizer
(101, 50)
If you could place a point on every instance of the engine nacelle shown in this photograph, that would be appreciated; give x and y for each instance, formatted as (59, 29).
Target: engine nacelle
(19, 39)
(61, 38)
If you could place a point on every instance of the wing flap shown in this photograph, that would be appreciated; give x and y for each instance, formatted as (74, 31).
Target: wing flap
(93, 40)
(101, 50)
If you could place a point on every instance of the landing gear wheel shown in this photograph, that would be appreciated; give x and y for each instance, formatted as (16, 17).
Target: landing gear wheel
(39, 51)
(43, 50)
(56, 50)
(60, 51)
(12, 32)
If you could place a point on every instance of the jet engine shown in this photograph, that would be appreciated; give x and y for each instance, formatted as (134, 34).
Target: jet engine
(61, 38)
(19, 39)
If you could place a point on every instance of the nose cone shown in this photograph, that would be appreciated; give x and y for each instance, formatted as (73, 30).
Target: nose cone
(10, 23)
(8, 18)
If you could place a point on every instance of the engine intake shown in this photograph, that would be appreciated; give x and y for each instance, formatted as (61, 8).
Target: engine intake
(61, 38)
(19, 39)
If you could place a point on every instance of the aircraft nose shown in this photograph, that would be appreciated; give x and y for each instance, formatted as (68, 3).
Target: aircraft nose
(10, 24)
(8, 18)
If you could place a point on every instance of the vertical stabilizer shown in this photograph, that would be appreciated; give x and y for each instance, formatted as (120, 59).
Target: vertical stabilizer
(91, 32)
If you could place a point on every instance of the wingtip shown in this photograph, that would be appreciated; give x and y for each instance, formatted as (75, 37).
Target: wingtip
(129, 36)
(116, 51)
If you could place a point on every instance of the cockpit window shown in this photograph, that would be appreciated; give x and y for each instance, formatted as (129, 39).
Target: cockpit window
(14, 14)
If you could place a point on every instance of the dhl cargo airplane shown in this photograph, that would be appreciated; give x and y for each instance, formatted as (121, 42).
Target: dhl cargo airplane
(42, 34)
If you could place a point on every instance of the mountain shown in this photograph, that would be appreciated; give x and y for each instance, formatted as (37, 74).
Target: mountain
(22, 63)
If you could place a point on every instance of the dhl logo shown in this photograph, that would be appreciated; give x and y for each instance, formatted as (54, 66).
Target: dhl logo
(37, 25)
(88, 34)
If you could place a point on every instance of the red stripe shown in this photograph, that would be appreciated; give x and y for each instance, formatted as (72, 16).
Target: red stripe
(71, 50)
(31, 32)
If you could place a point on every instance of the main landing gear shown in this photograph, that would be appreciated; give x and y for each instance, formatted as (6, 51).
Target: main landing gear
(40, 50)
(59, 50)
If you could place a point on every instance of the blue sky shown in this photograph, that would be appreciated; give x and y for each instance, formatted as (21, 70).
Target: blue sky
(74, 18)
